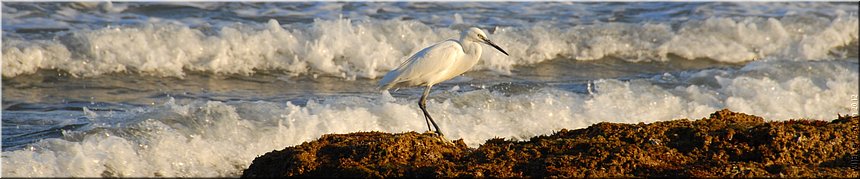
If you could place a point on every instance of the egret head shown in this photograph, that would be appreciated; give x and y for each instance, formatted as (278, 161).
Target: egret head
(477, 35)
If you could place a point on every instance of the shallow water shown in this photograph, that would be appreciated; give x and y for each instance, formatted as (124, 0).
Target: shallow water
(200, 89)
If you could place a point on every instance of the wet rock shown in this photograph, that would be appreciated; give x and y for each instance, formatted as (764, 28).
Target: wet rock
(364, 154)
(727, 144)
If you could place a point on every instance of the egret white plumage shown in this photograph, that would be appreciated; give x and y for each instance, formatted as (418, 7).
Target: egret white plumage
(437, 63)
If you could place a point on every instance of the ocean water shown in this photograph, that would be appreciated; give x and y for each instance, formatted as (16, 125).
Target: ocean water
(200, 89)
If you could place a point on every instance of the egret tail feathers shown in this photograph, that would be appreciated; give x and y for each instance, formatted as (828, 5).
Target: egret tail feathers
(389, 80)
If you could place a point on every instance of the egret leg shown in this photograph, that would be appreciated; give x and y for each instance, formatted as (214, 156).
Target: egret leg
(423, 105)
(426, 116)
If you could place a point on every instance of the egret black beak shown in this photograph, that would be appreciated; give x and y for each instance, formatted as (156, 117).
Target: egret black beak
(488, 42)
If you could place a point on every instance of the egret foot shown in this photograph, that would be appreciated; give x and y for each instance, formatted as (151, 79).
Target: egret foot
(442, 137)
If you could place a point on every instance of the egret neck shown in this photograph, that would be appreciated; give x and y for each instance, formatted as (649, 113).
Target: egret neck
(472, 54)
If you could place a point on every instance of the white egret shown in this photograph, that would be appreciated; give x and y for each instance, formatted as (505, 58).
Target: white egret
(437, 63)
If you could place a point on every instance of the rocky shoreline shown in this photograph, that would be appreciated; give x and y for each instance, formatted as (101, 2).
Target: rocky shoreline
(727, 144)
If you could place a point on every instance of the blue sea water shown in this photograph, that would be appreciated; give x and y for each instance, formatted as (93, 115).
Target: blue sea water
(199, 89)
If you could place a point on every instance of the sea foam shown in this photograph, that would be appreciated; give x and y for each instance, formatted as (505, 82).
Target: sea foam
(351, 49)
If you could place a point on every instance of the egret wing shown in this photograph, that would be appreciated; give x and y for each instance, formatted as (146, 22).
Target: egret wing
(425, 66)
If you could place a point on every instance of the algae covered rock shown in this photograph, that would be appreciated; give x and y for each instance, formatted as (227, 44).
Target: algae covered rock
(726, 144)
(364, 154)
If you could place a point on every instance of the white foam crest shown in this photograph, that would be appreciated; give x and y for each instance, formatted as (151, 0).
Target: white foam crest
(722, 39)
(791, 37)
(336, 48)
(199, 139)
(221, 139)
(28, 57)
(367, 49)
